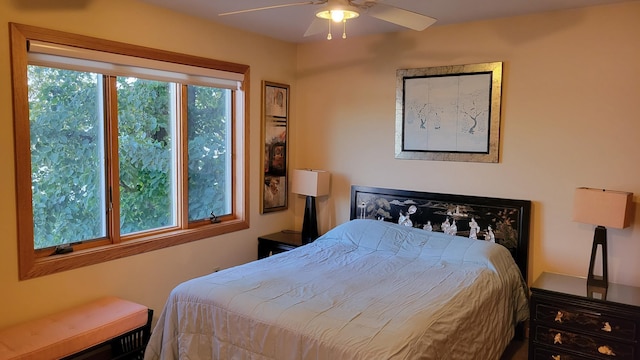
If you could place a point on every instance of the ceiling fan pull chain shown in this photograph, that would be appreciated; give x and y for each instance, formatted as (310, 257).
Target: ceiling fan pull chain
(344, 28)
(329, 34)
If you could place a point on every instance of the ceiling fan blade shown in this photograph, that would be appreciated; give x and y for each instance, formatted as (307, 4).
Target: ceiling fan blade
(272, 7)
(317, 26)
(406, 18)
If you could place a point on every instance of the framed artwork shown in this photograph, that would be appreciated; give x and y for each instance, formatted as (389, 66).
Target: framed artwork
(449, 113)
(275, 121)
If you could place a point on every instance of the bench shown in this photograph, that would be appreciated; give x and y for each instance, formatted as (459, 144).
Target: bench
(122, 325)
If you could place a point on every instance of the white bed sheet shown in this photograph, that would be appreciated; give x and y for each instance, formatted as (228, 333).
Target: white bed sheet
(365, 290)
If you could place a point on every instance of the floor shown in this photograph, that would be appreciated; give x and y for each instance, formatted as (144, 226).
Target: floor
(517, 350)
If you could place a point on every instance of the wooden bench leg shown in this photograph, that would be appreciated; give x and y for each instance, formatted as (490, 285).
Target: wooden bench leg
(132, 344)
(128, 346)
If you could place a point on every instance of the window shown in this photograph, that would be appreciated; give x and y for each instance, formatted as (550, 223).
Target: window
(122, 149)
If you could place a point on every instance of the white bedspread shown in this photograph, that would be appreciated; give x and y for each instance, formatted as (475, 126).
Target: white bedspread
(365, 290)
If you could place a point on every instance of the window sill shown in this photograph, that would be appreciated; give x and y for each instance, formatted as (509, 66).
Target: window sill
(76, 259)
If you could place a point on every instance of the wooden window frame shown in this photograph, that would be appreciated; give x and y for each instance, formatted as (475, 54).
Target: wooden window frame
(34, 263)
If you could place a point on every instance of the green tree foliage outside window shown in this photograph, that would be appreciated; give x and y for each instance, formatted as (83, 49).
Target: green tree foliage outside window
(67, 132)
(145, 151)
(209, 157)
(66, 156)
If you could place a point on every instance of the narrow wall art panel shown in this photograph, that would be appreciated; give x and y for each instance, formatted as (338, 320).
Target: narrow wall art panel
(275, 122)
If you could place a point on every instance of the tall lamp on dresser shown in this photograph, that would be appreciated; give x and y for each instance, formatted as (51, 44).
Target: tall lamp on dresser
(312, 183)
(603, 208)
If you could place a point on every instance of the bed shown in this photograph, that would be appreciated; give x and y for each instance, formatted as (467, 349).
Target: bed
(388, 284)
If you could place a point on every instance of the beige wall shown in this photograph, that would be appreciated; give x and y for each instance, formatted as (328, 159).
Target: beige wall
(149, 277)
(570, 117)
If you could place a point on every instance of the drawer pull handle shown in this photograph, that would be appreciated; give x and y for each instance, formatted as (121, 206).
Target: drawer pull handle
(604, 349)
(606, 327)
(559, 316)
(557, 339)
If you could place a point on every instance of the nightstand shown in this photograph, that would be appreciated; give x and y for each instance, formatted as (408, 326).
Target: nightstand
(278, 242)
(568, 323)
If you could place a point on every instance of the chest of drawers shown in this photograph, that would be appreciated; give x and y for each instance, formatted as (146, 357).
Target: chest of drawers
(568, 322)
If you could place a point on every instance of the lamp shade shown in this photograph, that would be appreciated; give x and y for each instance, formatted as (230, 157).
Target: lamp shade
(310, 182)
(602, 207)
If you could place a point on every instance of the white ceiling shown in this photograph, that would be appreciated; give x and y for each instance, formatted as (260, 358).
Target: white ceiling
(290, 23)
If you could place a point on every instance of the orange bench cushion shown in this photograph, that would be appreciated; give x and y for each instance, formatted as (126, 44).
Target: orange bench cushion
(68, 332)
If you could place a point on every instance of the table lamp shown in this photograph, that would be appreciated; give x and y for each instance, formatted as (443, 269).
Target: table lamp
(603, 208)
(312, 183)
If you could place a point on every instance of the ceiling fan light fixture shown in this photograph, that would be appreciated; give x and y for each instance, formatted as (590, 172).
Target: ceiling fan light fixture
(337, 14)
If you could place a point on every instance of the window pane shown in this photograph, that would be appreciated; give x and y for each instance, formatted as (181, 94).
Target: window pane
(67, 166)
(209, 124)
(146, 149)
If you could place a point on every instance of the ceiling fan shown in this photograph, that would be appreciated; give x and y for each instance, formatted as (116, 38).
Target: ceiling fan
(339, 11)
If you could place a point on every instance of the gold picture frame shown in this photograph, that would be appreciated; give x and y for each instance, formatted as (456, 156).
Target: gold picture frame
(449, 113)
(275, 133)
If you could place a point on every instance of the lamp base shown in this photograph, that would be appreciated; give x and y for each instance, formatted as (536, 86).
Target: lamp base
(599, 239)
(310, 221)
(599, 293)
